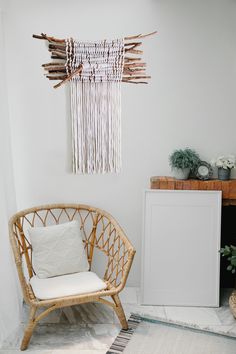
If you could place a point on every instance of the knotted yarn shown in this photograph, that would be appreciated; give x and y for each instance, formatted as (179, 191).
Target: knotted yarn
(95, 104)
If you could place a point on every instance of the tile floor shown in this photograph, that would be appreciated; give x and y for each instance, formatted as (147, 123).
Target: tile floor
(91, 328)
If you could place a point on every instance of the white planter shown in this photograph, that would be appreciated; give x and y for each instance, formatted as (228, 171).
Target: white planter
(181, 173)
(223, 174)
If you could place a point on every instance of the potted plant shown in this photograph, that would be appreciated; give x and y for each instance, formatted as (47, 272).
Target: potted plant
(224, 165)
(230, 253)
(182, 162)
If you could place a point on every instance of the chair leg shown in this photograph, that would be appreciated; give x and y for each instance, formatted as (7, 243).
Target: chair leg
(120, 312)
(29, 329)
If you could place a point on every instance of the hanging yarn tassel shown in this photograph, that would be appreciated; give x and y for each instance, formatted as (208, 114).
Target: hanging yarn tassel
(96, 104)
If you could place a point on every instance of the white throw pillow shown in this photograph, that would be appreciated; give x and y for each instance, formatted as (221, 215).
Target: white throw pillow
(58, 250)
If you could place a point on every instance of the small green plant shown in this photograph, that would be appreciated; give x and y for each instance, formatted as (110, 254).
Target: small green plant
(230, 253)
(186, 158)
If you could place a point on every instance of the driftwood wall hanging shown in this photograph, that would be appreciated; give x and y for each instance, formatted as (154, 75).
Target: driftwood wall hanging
(95, 71)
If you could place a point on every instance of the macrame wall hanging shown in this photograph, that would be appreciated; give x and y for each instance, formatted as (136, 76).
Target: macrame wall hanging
(95, 71)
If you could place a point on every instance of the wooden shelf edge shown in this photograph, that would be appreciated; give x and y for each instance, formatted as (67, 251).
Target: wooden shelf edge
(228, 188)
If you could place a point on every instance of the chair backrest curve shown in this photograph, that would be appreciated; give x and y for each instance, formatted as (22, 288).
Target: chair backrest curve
(99, 230)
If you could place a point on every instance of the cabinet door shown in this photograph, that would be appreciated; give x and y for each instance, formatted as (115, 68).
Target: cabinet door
(180, 248)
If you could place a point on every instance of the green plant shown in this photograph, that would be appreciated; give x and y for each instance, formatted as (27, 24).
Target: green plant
(230, 253)
(187, 158)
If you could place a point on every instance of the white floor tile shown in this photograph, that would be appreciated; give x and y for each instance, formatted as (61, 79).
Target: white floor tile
(85, 351)
(225, 316)
(231, 330)
(18, 351)
(90, 351)
(155, 311)
(192, 315)
(91, 328)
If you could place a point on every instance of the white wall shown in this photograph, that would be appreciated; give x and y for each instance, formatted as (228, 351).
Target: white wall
(10, 300)
(190, 100)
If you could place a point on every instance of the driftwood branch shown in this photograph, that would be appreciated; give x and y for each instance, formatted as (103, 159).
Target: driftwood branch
(136, 77)
(140, 36)
(133, 69)
(48, 38)
(132, 59)
(134, 82)
(59, 77)
(50, 64)
(76, 72)
(57, 40)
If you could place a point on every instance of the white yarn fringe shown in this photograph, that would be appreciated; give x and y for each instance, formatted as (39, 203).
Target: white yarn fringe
(96, 126)
(96, 105)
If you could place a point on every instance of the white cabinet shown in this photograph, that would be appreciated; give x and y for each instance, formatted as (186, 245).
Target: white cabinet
(180, 248)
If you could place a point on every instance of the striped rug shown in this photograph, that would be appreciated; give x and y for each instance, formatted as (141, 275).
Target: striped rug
(169, 337)
(124, 336)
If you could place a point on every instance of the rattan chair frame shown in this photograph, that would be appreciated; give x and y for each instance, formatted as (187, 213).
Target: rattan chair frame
(100, 230)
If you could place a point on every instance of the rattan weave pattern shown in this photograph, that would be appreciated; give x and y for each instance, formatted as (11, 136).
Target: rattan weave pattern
(99, 230)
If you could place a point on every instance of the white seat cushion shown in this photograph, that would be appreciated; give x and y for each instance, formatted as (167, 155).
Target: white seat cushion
(66, 285)
(58, 250)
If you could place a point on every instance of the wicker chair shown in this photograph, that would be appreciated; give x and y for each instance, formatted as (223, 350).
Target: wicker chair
(100, 233)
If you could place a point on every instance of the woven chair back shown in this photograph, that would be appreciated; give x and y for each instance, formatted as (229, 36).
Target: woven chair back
(99, 230)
